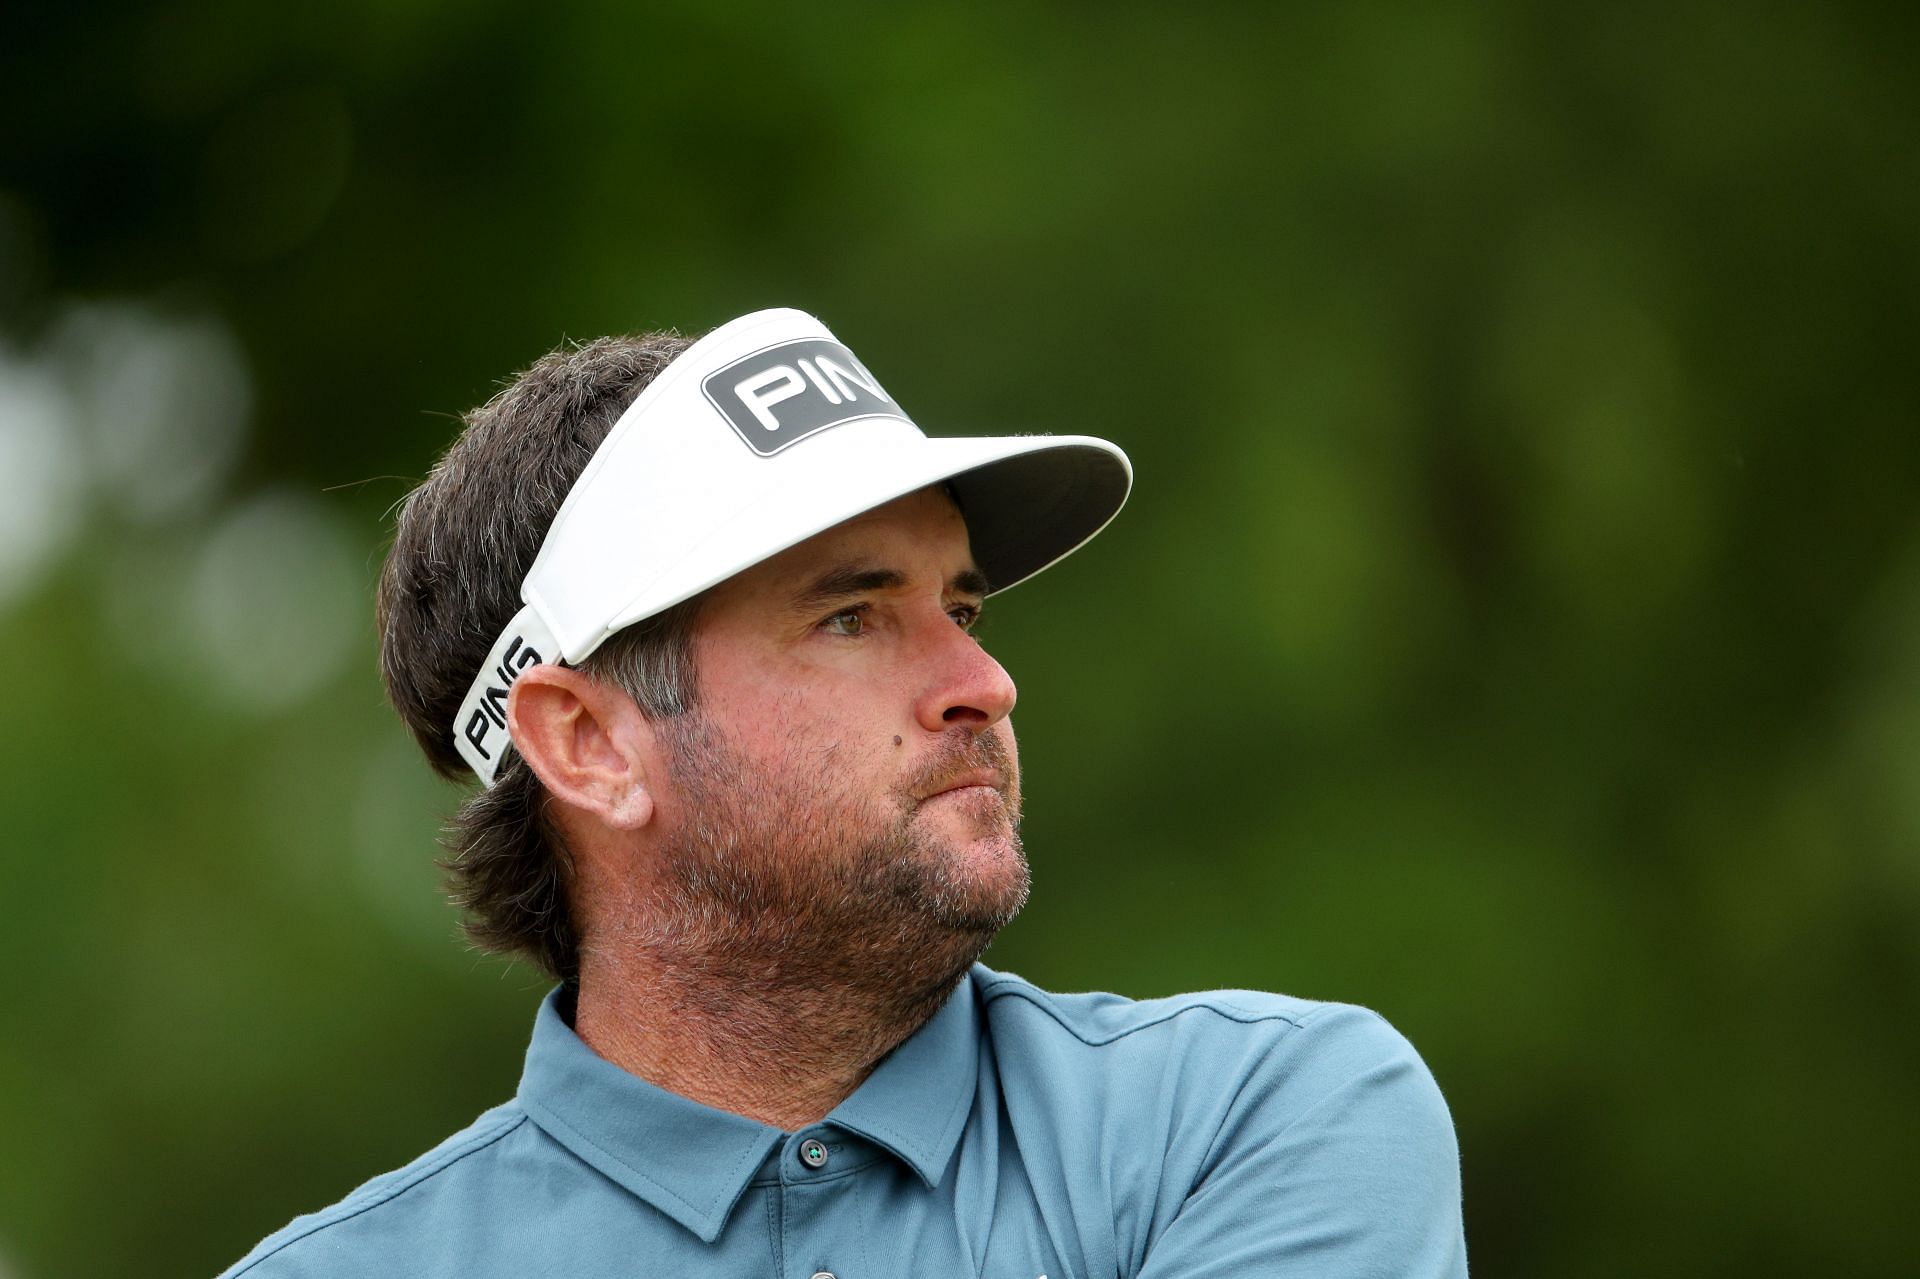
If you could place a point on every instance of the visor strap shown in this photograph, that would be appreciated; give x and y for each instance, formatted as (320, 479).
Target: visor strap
(480, 730)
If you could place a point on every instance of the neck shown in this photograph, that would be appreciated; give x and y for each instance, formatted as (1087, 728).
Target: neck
(781, 1039)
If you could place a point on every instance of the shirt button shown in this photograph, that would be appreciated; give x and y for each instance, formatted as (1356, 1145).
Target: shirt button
(823, 1274)
(814, 1155)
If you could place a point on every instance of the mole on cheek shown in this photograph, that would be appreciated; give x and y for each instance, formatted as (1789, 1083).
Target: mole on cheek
(896, 739)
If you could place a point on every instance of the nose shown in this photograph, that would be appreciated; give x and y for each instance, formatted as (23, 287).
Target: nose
(966, 688)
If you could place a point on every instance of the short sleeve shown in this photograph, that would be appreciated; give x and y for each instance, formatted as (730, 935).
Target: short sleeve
(1337, 1160)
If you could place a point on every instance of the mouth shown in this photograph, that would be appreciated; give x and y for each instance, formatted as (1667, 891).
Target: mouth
(978, 779)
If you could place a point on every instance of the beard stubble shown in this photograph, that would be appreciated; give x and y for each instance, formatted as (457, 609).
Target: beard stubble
(784, 878)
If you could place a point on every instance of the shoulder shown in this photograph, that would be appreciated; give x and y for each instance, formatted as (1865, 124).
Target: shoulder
(333, 1240)
(1300, 1130)
(1203, 1019)
(1225, 1052)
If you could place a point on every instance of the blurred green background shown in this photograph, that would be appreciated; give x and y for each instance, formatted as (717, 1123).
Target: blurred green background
(1515, 628)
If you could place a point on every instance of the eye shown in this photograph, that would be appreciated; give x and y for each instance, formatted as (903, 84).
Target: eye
(849, 622)
(965, 616)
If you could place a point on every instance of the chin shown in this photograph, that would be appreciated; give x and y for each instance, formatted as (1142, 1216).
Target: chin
(972, 870)
(979, 885)
(975, 844)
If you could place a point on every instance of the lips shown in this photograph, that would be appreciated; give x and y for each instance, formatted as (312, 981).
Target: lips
(963, 760)
(989, 777)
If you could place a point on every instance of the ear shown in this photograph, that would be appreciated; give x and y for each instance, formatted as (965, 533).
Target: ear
(586, 741)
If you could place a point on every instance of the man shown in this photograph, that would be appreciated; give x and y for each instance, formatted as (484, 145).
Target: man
(698, 617)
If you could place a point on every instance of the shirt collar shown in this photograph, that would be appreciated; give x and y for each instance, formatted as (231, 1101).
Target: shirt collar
(688, 1160)
(693, 1162)
(916, 1101)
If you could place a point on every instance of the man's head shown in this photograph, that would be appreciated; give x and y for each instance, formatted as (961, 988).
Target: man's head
(841, 802)
(740, 667)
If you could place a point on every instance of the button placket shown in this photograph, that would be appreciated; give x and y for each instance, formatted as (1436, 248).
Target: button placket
(819, 1204)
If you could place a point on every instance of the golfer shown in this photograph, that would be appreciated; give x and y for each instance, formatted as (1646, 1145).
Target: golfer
(698, 618)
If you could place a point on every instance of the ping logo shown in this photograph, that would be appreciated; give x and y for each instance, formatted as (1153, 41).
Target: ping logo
(785, 393)
(490, 712)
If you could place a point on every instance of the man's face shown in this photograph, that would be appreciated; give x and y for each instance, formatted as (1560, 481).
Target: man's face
(847, 788)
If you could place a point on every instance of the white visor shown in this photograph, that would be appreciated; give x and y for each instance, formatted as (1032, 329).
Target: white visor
(761, 434)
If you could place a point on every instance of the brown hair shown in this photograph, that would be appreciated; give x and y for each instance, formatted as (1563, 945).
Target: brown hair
(464, 541)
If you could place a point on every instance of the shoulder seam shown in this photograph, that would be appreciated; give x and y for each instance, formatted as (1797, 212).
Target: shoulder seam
(1219, 1007)
(1246, 1082)
(348, 1209)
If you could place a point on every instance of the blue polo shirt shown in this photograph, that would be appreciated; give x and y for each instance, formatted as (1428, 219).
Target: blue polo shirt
(1018, 1134)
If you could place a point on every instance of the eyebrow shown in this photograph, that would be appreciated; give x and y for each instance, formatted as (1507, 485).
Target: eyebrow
(854, 579)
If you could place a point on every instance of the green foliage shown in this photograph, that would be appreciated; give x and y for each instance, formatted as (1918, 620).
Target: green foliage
(1513, 629)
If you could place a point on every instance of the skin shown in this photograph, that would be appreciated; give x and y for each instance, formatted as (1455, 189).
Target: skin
(777, 888)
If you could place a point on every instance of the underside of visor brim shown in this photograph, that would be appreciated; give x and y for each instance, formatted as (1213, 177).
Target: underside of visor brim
(1032, 510)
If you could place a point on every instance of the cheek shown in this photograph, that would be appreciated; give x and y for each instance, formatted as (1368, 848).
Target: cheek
(810, 724)
(811, 737)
